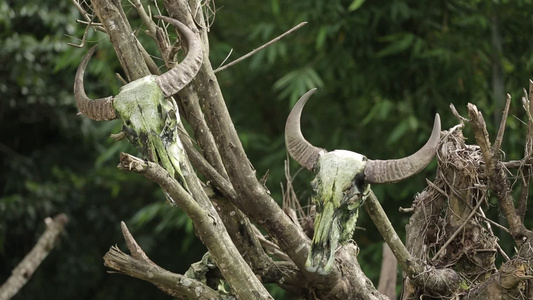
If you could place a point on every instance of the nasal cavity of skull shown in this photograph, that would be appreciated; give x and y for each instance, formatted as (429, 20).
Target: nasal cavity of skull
(351, 195)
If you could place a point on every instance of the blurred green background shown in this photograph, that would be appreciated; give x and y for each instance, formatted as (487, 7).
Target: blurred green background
(383, 69)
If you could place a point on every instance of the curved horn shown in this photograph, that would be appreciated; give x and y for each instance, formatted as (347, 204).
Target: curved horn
(99, 109)
(393, 170)
(301, 150)
(178, 77)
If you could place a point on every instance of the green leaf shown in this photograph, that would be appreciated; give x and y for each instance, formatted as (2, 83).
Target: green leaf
(402, 129)
(295, 83)
(400, 42)
(355, 5)
(321, 37)
(274, 4)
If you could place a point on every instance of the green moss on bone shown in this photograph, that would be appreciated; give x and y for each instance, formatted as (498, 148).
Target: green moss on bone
(150, 123)
(338, 200)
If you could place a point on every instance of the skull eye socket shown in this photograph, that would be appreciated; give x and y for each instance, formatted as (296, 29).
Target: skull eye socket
(130, 132)
(356, 193)
(359, 182)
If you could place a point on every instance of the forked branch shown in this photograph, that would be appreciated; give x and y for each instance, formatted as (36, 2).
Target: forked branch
(138, 265)
(208, 226)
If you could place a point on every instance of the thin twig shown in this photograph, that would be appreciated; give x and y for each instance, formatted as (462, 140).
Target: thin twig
(82, 11)
(135, 250)
(498, 247)
(121, 79)
(154, 31)
(452, 237)
(496, 224)
(207, 12)
(499, 138)
(457, 115)
(498, 181)
(84, 37)
(261, 48)
(147, 20)
(152, 66)
(525, 170)
(227, 57)
(514, 164)
(97, 26)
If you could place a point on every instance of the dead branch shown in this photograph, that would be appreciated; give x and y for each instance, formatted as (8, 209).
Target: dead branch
(117, 26)
(388, 274)
(147, 19)
(498, 181)
(25, 269)
(242, 232)
(138, 265)
(208, 226)
(260, 48)
(82, 11)
(499, 137)
(173, 284)
(434, 281)
(525, 170)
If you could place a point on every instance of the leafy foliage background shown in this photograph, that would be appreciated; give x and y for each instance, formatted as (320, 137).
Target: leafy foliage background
(383, 69)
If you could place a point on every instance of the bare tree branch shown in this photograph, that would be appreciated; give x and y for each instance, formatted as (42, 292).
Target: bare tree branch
(260, 48)
(499, 138)
(25, 269)
(498, 180)
(176, 285)
(388, 274)
(117, 26)
(208, 226)
(525, 170)
(434, 281)
(138, 265)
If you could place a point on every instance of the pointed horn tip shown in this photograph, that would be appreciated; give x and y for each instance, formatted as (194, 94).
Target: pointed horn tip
(298, 147)
(298, 107)
(308, 95)
(436, 123)
(296, 110)
(435, 133)
(379, 171)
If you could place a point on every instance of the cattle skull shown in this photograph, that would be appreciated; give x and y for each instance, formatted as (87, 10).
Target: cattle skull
(342, 183)
(149, 115)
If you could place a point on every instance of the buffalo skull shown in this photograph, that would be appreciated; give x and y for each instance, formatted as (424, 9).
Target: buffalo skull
(149, 115)
(342, 184)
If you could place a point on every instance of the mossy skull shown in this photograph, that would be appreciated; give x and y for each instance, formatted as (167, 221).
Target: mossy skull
(149, 114)
(342, 183)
